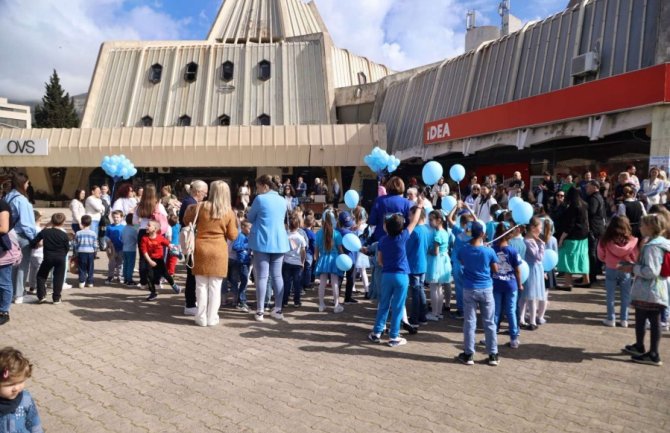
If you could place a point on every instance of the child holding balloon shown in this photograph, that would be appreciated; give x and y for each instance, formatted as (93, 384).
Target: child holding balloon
(507, 282)
(345, 224)
(461, 238)
(438, 271)
(534, 288)
(328, 247)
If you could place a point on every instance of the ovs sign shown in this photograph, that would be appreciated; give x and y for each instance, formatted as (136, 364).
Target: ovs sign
(24, 147)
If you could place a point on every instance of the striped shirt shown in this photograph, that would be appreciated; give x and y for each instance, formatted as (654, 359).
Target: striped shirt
(85, 241)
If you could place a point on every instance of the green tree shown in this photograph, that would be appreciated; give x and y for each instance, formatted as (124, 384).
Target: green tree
(57, 108)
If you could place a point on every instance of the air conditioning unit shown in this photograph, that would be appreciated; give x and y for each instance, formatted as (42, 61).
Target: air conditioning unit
(164, 170)
(585, 64)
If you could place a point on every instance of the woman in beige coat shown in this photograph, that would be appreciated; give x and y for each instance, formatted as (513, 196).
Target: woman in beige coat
(215, 224)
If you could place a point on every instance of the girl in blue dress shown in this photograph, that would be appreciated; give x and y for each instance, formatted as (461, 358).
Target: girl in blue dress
(534, 288)
(328, 246)
(438, 272)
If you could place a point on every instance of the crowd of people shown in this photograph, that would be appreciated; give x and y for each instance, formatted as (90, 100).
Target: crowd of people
(435, 244)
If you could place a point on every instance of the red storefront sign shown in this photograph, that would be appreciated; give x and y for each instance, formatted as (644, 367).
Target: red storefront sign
(648, 86)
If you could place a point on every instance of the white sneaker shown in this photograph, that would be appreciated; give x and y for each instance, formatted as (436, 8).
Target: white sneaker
(277, 315)
(322, 308)
(541, 321)
(89, 285)
(259, 317)
(624, 323)
(338, 309)
(432, 318)
(665, 326)
(609, 323)
(67, 286)
(190, 311)
(81, 285)
(18, 300)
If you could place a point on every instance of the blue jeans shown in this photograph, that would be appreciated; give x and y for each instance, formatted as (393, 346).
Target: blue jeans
(482, 299)
(614, 278)
(20, 272)
(86, 261)
(266, 265)
(307, 274)
(418, 311)
(237, 280)
(128, 265)
(5, 288)
(506, 302)
(292, 275)
(393, 295)
(95, 227)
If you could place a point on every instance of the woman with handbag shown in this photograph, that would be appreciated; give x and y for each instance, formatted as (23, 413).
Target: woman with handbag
(216, 224)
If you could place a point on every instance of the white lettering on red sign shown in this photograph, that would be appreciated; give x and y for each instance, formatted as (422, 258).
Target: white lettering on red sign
(438, 132)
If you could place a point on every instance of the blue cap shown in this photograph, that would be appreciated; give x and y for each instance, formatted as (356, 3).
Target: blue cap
(476, 230)
(346, 220)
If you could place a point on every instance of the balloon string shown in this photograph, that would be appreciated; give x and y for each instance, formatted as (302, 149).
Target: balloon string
(504, 234)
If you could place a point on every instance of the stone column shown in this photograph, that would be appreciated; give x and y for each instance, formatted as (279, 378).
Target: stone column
(659, 152)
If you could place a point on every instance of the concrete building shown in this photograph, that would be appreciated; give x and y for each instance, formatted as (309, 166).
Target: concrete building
(14, 116)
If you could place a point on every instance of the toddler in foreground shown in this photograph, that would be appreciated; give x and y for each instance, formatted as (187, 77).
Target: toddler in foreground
(17, 408)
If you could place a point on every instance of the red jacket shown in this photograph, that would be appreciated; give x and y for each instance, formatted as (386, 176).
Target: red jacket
(154, 246)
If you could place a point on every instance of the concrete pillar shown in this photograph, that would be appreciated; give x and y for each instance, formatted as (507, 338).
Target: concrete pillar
(361, 174)
(76, 178)
(659, 152)
(40, 179)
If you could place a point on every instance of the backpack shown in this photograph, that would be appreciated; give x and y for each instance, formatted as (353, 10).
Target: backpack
(162, 220)
(13, 256)
(187, 240)
(665, 266)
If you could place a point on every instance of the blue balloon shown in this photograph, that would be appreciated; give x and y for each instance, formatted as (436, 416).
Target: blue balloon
(432, 172)
(457, 172)
(344, 262)
(513, 202)
(351, 243)
(525, 271)
(449, 203)
(522, 213)
(351, 199)
(133, 172)
(550, 260)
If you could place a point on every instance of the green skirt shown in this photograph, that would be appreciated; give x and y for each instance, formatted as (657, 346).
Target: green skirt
(573, 256)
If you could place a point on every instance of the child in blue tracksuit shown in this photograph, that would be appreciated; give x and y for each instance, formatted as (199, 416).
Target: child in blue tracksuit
(114, 243)
(478, 262)
(18, 412)
(344, 224)
(85, 245)
(239, 269)
(392, 257)
(129, 239)
(417, 250)
(507, 283)
(461, 238)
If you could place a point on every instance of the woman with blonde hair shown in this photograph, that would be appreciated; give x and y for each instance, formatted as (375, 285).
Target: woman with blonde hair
(216, 224)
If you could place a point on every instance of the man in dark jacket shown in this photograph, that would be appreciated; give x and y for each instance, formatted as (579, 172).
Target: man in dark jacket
(597, 223)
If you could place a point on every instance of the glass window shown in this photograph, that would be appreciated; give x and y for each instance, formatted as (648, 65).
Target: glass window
(264, 70)
(184, 120)
(264, 120)
(191, 72)
(147, 121)
(227, 71)
(155, 73)
(224, 120)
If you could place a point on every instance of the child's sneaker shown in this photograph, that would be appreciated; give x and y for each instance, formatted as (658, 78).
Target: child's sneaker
(32, 291)
(665, 326)
(57, 301)
(243, 307)
(624, 323)
(609, 323)
(541, 321)
(466, 359)
(89, 285)
(81, 285)
(190, 311)
(338, 309)
(514, 344)
(648, 358)
(493, 360)
(395, 342)
(413, 330)
(259, 317)
(109, 281)
(277, 315)
(152, 297)
(632, 349)
(42, 301)
(176, 288)
(297, 304)
(67, 286)
(432, 318)
(374, 338)
(322, 308)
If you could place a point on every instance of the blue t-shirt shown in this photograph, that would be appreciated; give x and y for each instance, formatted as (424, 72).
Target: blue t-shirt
(461, 238)
(113, 233)
(476, 262)
(417, 248)
(337, 241)
(509, 260)
(175, 234)
(394, 253)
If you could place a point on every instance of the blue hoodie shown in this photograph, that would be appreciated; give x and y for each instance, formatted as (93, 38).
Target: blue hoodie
(23, 217)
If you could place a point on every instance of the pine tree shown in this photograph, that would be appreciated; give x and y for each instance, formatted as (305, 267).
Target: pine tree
(57, 108)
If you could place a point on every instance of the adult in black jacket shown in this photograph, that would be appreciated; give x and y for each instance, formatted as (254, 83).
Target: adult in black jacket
(597, 223)
(573, 244)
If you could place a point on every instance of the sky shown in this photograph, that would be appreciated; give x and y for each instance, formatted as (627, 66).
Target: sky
(37, 36)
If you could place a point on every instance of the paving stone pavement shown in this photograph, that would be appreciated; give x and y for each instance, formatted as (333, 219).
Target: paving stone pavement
(107, 362)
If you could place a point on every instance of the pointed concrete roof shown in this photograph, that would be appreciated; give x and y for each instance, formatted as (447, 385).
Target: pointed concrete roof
(241, 21)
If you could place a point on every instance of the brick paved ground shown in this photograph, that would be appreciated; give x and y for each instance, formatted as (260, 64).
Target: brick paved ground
(106, 362)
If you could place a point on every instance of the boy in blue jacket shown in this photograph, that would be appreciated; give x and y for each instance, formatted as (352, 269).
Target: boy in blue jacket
(239, 266)
(417, 250)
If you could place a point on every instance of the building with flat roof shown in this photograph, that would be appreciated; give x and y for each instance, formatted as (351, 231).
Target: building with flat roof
(14, 116)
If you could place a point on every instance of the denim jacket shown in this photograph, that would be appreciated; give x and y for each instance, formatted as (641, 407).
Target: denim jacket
(24, 420)
(23, 217)
(649, 287)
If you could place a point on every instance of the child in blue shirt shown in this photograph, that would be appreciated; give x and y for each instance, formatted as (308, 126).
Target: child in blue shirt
(507, 283)
(85, 246)
(18, 412)
(345, 222)
(129, 240)
(478, 262)
(417, 250)
(461, 238)
(328, 247)
(438, 272)
(114, 242)
(238, 268)
(174, 250)
(392, 257)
